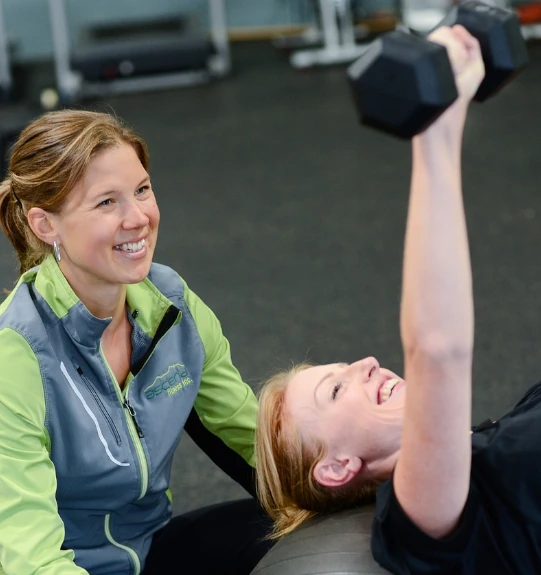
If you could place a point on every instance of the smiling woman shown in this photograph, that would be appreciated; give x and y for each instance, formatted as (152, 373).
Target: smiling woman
(49, 160)
(106, 358)
(451, 499)
(312, 420)
(106, 229)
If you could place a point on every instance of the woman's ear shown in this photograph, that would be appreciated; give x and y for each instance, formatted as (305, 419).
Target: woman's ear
(42, 225)
(337, 471)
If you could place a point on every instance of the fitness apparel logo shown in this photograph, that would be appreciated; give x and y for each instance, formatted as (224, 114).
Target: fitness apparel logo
(172, 381)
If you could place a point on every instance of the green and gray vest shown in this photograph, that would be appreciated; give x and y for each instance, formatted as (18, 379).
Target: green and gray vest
(85, 465)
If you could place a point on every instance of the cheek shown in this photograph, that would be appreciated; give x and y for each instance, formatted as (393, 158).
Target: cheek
(153, 215)
(77, 229)
(89, 234)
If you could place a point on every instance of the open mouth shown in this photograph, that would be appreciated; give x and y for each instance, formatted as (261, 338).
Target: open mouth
(386, 390)
(131, 247)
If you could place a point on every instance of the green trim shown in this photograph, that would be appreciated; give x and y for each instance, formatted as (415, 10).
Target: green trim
(54, 287)
(47, 440)
(143, 465)
(150, 303)
(27, 277)
(131, 552)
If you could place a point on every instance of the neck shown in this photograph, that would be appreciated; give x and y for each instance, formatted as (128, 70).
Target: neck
(112, 304)
(103, 300)
(382, 469)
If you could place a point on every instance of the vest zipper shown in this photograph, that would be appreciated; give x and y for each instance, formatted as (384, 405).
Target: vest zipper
(168, 320)
(88, 384)
(133, 428)
(133, 413)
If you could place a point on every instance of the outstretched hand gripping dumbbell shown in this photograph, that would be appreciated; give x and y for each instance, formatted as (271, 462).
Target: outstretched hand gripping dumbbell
(404, 82)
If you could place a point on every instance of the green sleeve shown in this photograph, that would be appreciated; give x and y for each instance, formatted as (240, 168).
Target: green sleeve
(225, 404)
(31, 531)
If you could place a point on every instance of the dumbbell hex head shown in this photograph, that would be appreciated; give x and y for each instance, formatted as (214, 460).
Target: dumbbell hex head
(500, 37)
(402, 83)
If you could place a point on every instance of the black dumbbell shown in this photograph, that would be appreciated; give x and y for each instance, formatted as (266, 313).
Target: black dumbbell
(404, 82)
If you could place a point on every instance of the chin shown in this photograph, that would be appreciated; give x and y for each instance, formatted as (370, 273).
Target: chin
(136, 278)
(135, 275)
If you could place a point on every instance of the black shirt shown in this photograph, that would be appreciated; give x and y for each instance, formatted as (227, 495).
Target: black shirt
(500, 529)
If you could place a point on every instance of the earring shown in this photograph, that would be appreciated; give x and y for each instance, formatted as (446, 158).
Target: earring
(56, 250)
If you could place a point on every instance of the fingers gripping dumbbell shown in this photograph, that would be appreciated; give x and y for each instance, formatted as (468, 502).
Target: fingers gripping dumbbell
(404, 82)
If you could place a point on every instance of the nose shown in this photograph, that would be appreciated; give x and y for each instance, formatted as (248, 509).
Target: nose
(134, 216)
(367, 368)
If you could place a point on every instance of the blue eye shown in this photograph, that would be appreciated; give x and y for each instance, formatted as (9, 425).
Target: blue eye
(142, 190)
(106, 202)
(335, 390)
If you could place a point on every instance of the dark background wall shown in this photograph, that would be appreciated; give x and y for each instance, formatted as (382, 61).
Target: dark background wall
(288, 218)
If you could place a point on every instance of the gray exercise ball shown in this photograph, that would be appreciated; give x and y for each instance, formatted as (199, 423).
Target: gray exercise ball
(330, 545)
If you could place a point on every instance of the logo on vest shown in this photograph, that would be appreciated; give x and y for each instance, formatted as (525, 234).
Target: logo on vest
(171, 382)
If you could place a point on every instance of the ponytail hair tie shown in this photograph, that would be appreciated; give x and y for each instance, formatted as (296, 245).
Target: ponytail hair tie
(17, 199)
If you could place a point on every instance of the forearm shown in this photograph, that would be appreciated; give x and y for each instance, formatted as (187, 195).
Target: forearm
(432, 475)
(437, 303)
(437, 336)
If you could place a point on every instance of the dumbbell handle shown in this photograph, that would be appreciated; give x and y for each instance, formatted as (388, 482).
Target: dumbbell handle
(509, 52)
(403, 82)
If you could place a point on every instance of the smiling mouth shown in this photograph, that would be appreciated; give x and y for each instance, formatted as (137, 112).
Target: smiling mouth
(386, 390)
(131, 247)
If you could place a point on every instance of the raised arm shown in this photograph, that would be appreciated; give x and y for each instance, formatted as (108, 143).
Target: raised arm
(432, 475)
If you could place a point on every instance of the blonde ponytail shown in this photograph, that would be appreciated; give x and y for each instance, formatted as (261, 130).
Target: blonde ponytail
(13, 221)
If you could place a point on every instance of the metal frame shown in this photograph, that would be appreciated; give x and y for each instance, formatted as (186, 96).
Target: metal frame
(71, 84)
(338, 32)
(6, 80)
(531, 31)
(339, 42)
(221, 63)
(422, 20)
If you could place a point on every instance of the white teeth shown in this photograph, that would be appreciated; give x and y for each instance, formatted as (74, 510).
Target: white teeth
(387, 389)
(131, 247)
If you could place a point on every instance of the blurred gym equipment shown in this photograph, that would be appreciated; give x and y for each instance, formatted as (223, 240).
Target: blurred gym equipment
(14, 115)
(136, 63)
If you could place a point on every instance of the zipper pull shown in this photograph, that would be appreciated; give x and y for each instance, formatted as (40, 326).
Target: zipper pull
(132, 412)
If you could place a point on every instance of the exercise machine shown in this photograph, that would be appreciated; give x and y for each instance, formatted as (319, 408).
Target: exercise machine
(14, 116)
(336, 33)
(6, 79)
(137, 64)
(339, 40)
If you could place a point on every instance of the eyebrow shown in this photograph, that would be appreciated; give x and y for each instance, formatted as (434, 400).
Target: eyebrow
(108, 192)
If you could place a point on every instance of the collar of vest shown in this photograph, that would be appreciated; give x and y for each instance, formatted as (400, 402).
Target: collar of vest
(144, 301)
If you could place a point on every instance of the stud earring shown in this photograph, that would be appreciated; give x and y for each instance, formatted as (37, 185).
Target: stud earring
(56, 250)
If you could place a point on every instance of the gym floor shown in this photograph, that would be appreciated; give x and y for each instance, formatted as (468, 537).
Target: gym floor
(288, 218)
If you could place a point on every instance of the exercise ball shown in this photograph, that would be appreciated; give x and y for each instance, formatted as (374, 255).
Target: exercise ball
(331, 545)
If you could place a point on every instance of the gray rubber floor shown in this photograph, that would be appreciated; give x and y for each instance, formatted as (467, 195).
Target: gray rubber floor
(287, 218)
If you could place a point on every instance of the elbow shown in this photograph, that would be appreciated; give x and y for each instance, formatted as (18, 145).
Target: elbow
(436, 348)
